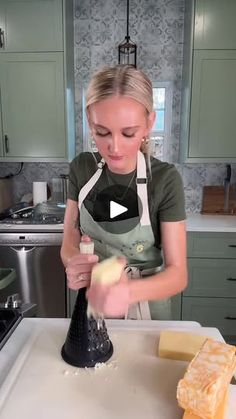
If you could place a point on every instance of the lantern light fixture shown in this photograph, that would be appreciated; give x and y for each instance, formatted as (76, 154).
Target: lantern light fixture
(127, 50)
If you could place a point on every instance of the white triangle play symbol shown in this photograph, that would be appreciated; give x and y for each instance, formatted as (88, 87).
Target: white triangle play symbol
(116, 209)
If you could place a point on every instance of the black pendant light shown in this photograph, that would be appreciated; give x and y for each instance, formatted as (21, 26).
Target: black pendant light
(127, 50)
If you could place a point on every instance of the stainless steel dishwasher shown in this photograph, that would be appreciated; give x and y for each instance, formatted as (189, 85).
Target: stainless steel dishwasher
(40, 275)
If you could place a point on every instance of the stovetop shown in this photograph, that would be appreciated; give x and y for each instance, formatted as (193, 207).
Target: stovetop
(43, 214)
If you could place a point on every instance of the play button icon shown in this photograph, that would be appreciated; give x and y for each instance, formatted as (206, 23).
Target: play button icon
(116, 209)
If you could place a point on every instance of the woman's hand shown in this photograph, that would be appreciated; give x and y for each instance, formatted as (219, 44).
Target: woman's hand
(78, 270)
(112, 300)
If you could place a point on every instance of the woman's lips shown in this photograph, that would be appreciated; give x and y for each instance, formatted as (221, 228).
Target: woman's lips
(116, 158)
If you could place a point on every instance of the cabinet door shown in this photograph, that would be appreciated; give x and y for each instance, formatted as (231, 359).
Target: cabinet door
(33, 105)
(31, 25)
(211, 278)
(215, 24)
(211, 245)
(212, 119)
(211, 312)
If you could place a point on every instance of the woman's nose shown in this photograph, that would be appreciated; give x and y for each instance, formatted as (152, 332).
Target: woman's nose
(114, 144)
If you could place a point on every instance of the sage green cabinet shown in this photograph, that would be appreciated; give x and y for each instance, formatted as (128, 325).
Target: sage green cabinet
(208, 128)
(31, 25)
(215, 24)
(210, 297)
(37, 88)
(212, 312)
(212, 119)
(32, 97)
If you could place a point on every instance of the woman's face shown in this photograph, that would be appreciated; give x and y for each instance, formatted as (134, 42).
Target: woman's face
(118, 125)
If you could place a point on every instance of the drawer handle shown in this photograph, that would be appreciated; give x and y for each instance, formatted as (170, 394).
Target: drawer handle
(232, 245)
(230, 318)
(231, 279)
(1, 38)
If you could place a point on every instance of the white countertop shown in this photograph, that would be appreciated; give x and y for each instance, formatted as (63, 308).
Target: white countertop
(28, 326)
(134, 382)
(31, 227)
(211, 223)
(195, 222)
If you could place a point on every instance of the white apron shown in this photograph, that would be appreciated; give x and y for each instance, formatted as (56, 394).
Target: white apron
(137, 244)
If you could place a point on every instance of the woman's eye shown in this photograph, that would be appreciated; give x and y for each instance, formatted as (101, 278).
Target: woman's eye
(102, 134)
(128, 135)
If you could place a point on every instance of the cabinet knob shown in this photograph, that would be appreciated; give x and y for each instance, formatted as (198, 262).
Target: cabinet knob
(1, 38)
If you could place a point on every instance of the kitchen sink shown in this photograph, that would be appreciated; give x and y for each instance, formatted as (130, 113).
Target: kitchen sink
(9, 319)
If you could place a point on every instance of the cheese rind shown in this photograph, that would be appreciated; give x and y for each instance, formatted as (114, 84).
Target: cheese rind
(178, 345)
(207, 378)
(220, 413)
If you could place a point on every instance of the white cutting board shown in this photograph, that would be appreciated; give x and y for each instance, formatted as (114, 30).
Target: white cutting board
(134, 384)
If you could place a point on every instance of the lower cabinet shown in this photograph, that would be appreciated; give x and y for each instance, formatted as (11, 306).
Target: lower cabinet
(212, 312)
(210, 297)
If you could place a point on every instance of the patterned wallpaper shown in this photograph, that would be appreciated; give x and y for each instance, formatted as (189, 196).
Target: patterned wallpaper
(157, 28)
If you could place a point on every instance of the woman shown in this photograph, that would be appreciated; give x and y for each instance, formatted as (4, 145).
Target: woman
(120, 115)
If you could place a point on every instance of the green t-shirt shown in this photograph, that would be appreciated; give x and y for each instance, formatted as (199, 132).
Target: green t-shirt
(165, 188)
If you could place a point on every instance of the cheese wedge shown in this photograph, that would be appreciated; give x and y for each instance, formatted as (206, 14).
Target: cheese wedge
(182, 346)
(107, 272)
(207, 378)
(220, 413)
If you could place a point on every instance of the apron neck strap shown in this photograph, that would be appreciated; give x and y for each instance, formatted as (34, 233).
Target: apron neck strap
(90, 184)
(141, 182)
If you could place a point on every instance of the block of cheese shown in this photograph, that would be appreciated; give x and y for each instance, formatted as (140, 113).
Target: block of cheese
(207, 378)
(179, 345)
(220, 413)
(107, 272)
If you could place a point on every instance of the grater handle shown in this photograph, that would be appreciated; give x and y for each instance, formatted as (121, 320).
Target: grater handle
(86, 245)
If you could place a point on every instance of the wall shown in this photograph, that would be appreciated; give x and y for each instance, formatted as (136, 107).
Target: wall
(157, 28)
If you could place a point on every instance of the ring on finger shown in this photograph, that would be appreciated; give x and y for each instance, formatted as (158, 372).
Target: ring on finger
(80, 277)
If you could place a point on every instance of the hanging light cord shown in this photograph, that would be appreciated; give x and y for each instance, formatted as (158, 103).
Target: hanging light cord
(127, 20)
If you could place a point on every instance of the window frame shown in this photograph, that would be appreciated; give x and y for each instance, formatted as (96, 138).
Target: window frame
(166, 134)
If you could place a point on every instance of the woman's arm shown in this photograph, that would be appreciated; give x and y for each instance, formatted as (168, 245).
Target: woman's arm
(71, 236)
(114, 300)
(78, 266)
(174, 278)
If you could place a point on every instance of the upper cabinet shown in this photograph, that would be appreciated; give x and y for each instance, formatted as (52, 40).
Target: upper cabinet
(208, 129)
(31, 26)
(214, 26)
(37, 81)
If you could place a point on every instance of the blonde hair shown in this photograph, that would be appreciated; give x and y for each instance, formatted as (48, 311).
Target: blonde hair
(123, 80)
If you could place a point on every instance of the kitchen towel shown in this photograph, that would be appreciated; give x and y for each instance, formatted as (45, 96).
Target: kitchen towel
(39, 192)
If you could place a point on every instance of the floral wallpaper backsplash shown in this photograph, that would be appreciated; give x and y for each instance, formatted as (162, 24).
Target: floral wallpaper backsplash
(156, 26)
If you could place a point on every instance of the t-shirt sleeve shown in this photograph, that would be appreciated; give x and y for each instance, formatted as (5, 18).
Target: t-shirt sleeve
(172, 205)
(81, 170)
(75, 182)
